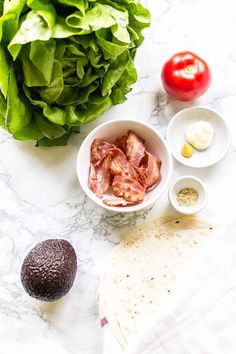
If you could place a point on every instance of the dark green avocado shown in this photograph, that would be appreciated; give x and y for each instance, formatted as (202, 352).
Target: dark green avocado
(48, 271)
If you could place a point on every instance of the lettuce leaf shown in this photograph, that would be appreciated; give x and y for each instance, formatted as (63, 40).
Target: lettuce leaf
(65, 62)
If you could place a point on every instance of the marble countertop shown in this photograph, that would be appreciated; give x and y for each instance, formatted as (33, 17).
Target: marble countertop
(40, 197)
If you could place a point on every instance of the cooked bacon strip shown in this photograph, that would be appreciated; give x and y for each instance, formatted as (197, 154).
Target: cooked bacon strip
(149, 172)
(99, 150)
(153, 171)
(140, 171)
(128, 188)
(92, 182)
(121, 143)
(120, 165)
(135, 149)
(126, 167)
(118, 202)
(100, 177)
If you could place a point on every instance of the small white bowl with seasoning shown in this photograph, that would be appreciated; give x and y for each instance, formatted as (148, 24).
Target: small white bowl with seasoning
(188, 195)
(198, 137)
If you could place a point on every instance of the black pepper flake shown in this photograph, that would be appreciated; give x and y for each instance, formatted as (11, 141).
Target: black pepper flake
(168, 291)
(177, 222)
(152, 279)
(127, 276)
(210, 228)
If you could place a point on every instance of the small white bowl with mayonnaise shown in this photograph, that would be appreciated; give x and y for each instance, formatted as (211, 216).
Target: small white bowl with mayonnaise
(205, 132)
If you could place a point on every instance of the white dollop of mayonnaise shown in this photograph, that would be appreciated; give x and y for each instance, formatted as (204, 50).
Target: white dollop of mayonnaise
(200, 135)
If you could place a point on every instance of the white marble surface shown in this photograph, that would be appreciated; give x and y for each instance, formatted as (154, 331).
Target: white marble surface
(40, 197)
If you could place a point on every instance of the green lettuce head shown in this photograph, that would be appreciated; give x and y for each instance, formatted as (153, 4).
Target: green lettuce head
(65, 62)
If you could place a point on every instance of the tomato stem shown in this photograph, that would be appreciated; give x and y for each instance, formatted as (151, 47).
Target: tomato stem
(190, 69)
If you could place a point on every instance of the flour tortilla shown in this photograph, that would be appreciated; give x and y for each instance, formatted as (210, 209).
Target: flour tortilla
(141, 275)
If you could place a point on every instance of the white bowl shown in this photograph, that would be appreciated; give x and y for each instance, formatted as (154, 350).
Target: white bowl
(188, 182)
(176, 136)
(154, 143)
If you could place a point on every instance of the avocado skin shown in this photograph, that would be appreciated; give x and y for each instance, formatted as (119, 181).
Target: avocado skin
(48, 271)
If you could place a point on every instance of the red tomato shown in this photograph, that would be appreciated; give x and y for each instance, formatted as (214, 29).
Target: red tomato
(186, 76)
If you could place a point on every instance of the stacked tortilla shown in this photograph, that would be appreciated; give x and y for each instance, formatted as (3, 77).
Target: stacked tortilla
(142, 273)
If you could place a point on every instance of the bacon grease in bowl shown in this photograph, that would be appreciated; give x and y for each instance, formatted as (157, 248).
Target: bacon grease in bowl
(126, 168)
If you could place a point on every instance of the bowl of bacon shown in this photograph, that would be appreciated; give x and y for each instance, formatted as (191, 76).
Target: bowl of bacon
(124, 165)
